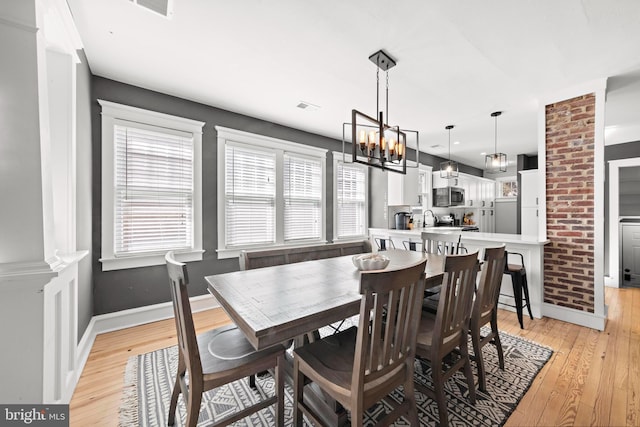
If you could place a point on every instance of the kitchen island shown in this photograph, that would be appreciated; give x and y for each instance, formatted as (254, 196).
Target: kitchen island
(531, 248)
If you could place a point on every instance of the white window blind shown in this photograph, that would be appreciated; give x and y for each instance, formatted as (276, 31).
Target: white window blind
(250, 196)
(302, 198)
(351, 200)
(154, 190)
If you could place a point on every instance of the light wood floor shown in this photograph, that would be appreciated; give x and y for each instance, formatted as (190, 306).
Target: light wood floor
(593, 378)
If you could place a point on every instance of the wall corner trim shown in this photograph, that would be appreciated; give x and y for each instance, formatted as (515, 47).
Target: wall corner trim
(582, 318)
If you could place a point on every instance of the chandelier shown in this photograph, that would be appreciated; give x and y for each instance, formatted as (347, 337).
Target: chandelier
(375, 142)
(449, 169)
(496, 162)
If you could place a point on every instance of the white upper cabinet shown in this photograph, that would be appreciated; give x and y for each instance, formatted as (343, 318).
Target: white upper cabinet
(404, 189)
(529, 188)
(529, 198)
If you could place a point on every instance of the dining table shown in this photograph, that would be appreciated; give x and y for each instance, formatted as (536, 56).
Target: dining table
(273, 305)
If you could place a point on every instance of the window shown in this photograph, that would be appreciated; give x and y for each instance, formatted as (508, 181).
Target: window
(350, 205)
(507, 187)
(272, 192)
(151, 197)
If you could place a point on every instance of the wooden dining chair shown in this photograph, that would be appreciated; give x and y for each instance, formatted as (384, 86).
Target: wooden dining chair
(485, 309)
(215, 358)
(361, 365)
(441, 243)
(445, 333)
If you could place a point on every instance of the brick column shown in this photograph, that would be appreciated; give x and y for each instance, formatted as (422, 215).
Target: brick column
(569, 258)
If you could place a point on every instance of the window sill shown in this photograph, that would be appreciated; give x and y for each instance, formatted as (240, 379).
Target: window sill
(109, 264)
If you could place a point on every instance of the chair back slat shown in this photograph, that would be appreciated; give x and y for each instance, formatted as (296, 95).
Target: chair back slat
(490, 281)
(187, 341)
(456, 296)
(441, 243)
(390, 310)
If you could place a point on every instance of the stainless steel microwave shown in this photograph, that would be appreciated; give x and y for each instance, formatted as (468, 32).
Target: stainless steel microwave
(448, 196)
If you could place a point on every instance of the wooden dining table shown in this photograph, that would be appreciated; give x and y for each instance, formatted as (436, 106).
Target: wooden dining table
(273, 305)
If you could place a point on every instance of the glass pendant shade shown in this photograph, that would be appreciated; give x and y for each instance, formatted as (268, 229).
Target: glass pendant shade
(449, 169)
(496, 162)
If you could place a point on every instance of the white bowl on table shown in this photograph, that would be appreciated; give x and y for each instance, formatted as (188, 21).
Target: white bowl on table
(367, 262)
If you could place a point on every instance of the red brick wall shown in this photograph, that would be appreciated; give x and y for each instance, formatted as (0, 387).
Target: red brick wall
(568, 259)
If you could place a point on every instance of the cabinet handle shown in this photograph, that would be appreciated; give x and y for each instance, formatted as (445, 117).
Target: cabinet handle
(536, 213)
(536, 201)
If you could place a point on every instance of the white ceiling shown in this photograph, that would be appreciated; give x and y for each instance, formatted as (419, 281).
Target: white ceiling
(457, 61)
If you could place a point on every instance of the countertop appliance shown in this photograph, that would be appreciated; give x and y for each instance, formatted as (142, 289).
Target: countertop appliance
(402, 220)
(448, 196)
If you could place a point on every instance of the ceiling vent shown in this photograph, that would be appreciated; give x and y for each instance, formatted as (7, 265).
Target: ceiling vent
(161, 7)
(307, 105)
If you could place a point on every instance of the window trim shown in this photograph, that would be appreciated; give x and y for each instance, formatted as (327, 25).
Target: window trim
(112, 113)
(339, 157)
(233, 136)
(498, 184)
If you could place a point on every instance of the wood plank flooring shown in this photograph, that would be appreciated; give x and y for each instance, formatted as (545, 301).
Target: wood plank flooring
(593, 378)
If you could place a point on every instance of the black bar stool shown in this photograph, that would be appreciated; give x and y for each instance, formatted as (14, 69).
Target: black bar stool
(384, 244)
(412, 246)
(519, 280)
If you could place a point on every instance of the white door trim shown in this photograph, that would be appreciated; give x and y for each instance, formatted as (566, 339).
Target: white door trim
(613, 279)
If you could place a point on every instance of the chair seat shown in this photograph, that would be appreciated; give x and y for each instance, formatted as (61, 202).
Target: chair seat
(331, 358)
(515, 268)
(224, 349)
(425, 331)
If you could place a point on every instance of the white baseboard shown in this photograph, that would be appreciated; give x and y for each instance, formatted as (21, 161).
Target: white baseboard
(582, 318)
(611, 282)
(128, 318)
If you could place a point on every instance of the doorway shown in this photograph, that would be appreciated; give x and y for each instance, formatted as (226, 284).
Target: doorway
(616, 167)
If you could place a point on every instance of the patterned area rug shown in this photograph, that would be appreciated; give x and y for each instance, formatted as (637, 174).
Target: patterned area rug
(150, 377)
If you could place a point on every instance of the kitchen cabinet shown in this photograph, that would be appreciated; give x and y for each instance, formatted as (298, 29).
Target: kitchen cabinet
(425, 186)
(486, 220)
(529, 199)
(404, 189)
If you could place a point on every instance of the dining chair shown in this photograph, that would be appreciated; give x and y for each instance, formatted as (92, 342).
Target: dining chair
(361, 365)
(444, 335)
(441, 243)
(215, 358)
(485, 309)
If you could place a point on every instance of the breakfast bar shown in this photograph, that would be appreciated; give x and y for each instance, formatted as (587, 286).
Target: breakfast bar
(531, 248)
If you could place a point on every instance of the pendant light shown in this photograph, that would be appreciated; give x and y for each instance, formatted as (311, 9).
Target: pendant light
(375, 142)
(496, 162)
(449, 169)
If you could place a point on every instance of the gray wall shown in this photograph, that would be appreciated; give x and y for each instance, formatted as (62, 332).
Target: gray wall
(137, 287)
(83, 192)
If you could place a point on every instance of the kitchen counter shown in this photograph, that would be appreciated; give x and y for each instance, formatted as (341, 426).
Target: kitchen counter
(530, 247)
(467, 236)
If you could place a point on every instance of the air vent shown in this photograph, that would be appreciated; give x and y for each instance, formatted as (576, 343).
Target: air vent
(303, 105)
(161, 7)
